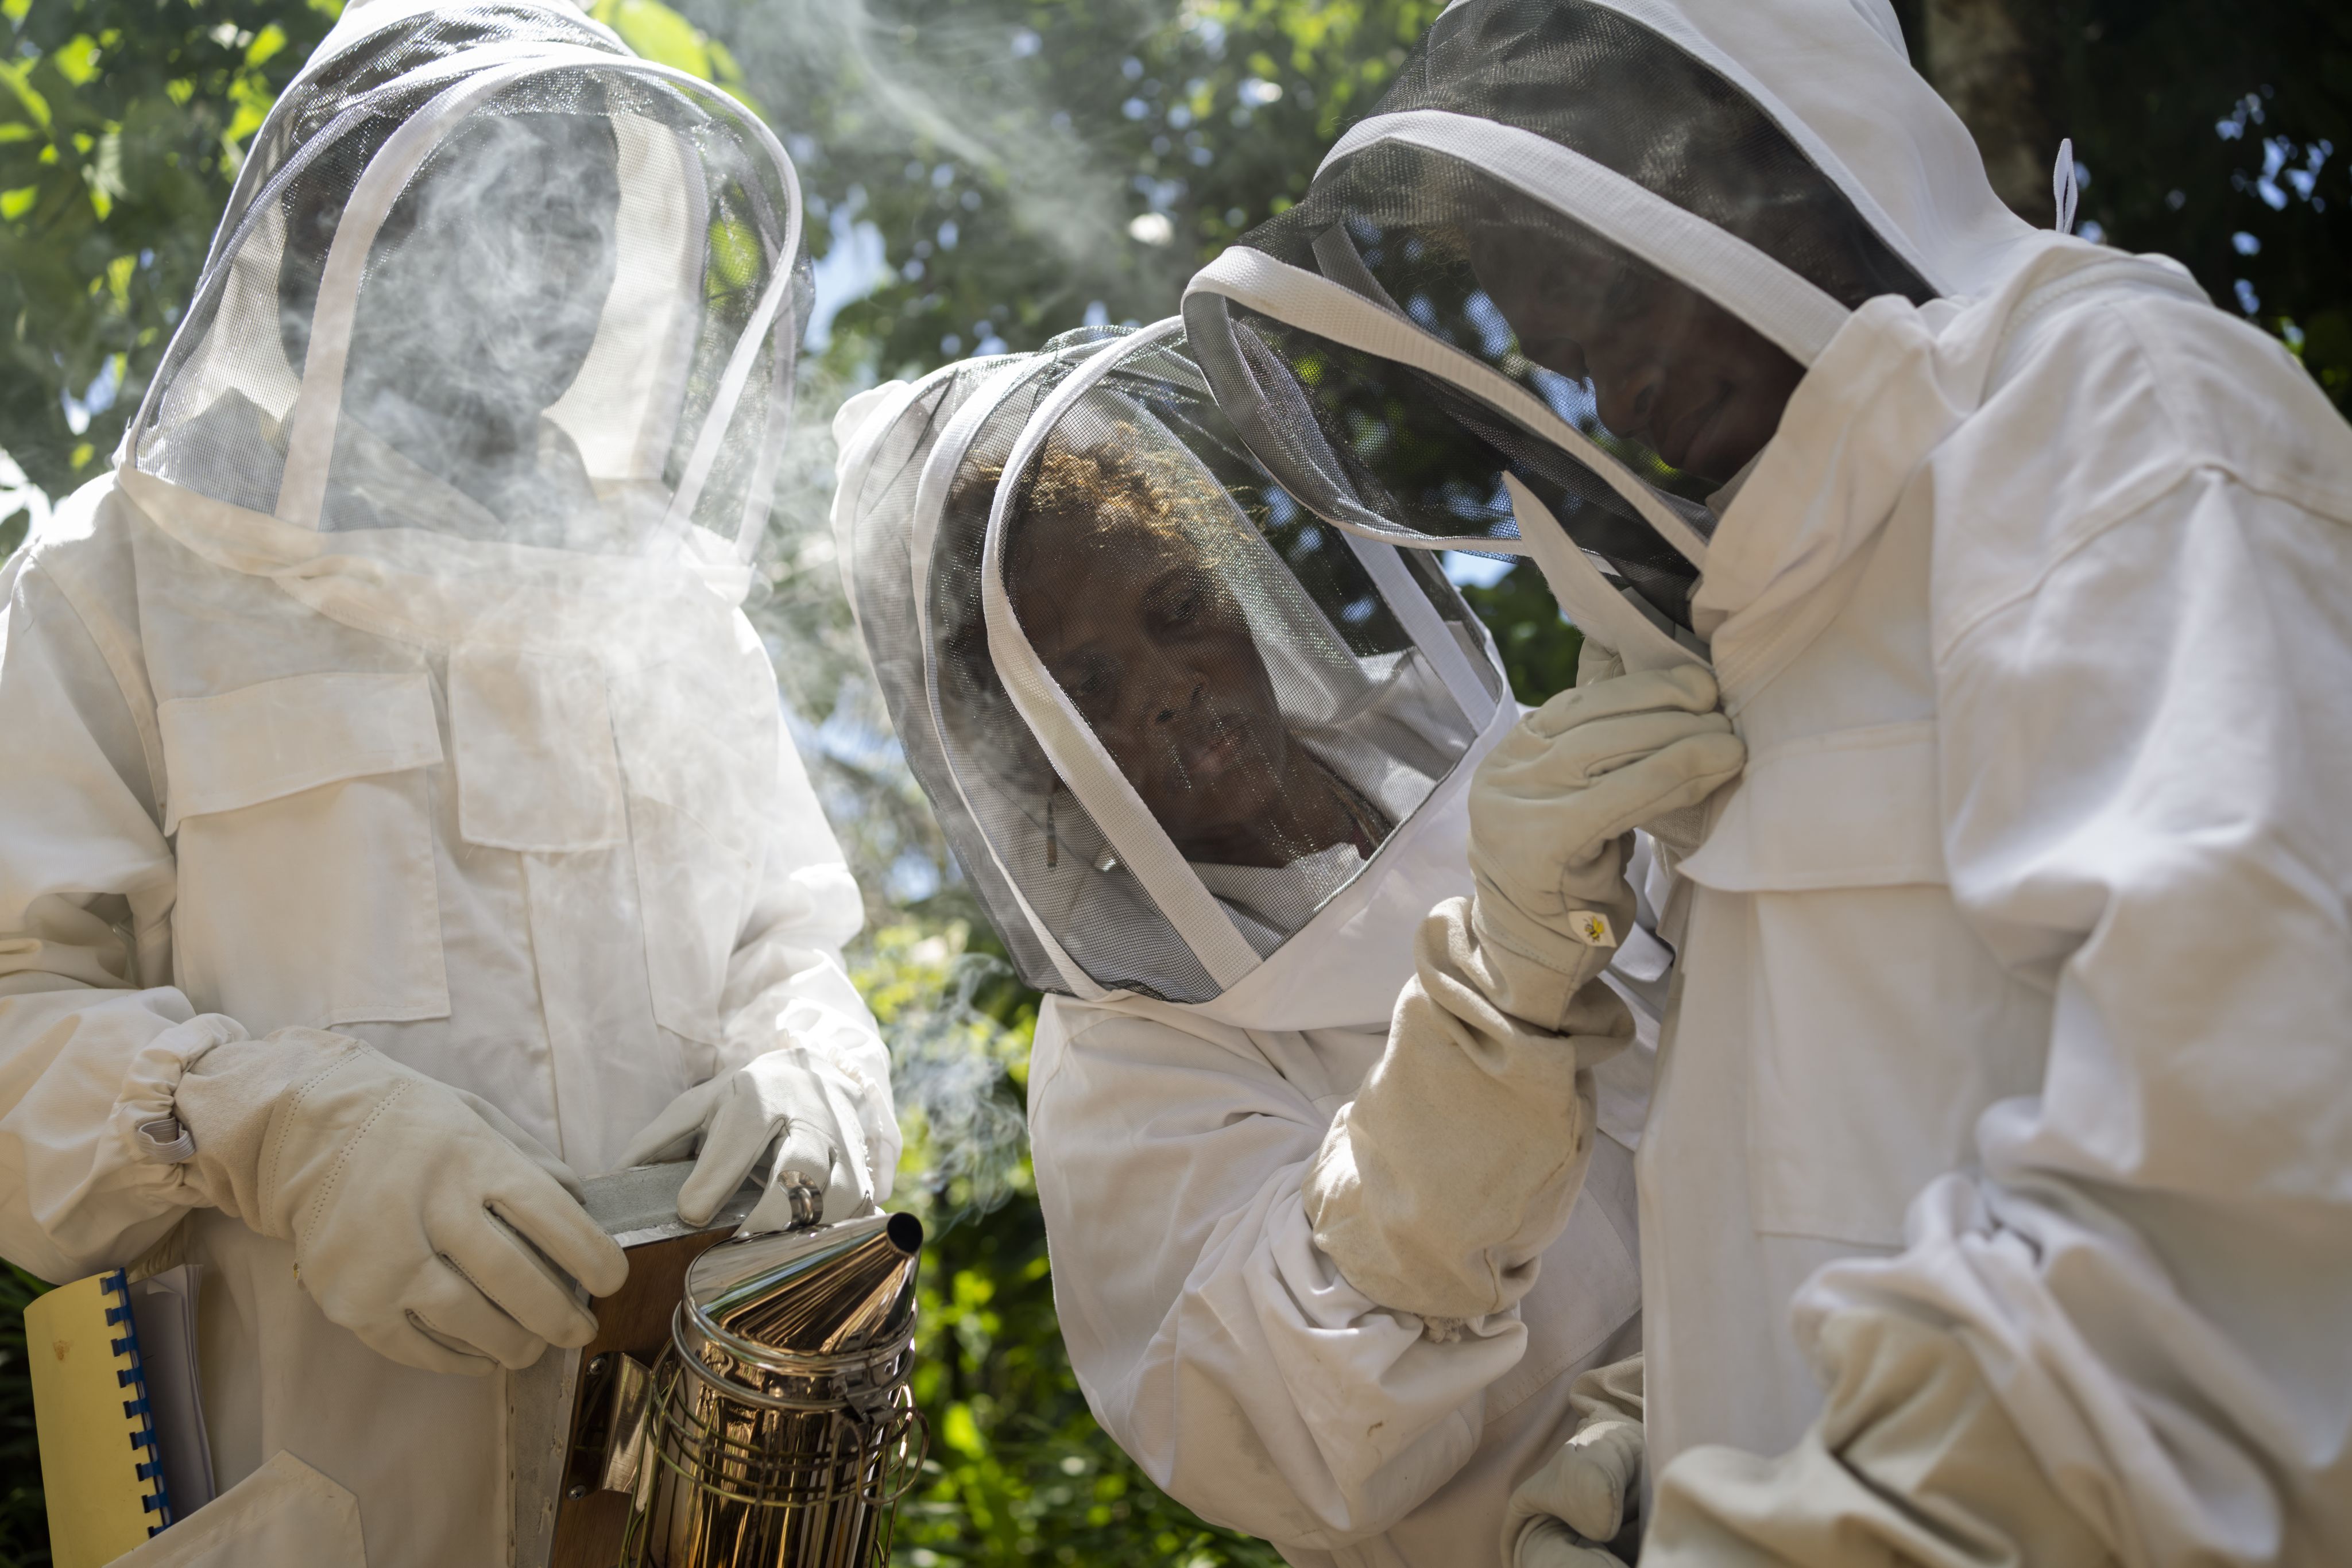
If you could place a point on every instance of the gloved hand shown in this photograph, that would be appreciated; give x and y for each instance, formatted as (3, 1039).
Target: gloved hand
(737, 1116)
(1436, 1190)
(1565, 1514)
(1551, 811)
(1679, 831)
(422, 1218)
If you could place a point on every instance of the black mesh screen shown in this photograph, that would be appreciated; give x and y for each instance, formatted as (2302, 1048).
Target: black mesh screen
(1658, 376)
(1367, 440)
(369, 63)
(1589, 79)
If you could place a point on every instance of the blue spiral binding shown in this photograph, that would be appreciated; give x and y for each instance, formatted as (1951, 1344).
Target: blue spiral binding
(159, 1501)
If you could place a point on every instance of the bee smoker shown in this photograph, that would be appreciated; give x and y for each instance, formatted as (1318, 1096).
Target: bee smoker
(775, 1426)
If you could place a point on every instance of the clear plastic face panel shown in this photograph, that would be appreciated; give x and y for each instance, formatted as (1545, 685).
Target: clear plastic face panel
(1270, 698)
(912, 470)
(567, 331)
(1453, 222)
(1030, 830)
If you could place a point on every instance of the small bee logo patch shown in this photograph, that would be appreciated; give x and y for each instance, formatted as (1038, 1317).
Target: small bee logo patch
(1592, 928)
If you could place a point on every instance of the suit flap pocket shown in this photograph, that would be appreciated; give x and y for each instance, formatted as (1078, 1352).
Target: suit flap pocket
(1854, 808)
(276, 739)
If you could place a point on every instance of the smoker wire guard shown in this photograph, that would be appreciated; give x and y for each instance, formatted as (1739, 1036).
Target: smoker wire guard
(638, 1208)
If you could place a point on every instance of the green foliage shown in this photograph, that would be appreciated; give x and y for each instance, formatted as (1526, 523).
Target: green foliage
(1537, 645)
(23, 1526)
(1025, 163)
(1018, 1472)
(662, 35)
(121, 126)
(2222, 136)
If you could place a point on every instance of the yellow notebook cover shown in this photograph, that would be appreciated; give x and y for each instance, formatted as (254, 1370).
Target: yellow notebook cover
(89, 1405)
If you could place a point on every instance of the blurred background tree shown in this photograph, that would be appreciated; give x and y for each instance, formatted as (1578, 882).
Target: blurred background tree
(121, 123)
(2215, 133)
(982, 174)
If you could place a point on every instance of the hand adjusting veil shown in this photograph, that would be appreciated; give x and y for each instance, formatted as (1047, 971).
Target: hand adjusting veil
(1166, 716)
(1560, 280)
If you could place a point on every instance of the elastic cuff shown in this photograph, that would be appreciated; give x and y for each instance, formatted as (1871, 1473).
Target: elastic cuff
(145, 1116)
(164, 1142)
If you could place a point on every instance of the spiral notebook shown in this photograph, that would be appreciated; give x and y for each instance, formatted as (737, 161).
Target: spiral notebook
(99, 1467)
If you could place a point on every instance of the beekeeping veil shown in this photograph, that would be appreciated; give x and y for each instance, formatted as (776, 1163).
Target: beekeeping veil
(1550, 295)
(1187, 741)
(493, 293)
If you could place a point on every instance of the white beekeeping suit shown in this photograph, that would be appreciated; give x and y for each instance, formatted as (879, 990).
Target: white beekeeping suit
(2004, 1099)
(1202, 759)
(395, 800)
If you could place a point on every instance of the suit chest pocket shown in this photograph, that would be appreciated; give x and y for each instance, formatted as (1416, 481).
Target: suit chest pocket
(1879, 1027)
(698, 798)
(303, 816)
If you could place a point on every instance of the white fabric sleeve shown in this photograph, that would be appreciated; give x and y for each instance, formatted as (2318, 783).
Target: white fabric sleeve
(2144, 784)
(786, 983)
(88, 1053)
(1214, 1341)
(1439, 1188)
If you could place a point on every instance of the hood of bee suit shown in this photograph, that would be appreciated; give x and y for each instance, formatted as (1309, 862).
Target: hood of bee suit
(1554, 295)
(493, 298)
(491, 356)
(1188, 744)
(1836, 74)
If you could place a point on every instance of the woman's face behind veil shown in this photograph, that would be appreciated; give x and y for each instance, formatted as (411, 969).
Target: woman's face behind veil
(491, 273)
(481, 300)
(1127, 613)
(1668, 365)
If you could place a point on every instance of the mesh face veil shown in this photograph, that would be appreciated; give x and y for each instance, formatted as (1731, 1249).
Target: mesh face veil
(1167, 714)
(1548, 298)
(489, 276)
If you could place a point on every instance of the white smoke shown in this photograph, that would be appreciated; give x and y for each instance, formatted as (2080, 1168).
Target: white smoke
(949, 1060)
(952, 1059)
(855, 94)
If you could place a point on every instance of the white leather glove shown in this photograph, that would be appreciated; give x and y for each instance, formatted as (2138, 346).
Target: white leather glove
(1565, 1514)
(1678, 831)
(787, 1099)
(1438, 1189)
(1553, 807)
(423, 1220)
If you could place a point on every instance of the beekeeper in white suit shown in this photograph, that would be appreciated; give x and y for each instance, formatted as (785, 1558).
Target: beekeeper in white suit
(1997, 1193)
(1202, 760)
(396, 819)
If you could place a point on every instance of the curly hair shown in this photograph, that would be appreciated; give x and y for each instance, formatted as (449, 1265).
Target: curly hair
(1126, 478)
(1078, 496)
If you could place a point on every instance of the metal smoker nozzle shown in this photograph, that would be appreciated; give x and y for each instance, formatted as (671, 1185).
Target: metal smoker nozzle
(827, 1290)
(778, 1430)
